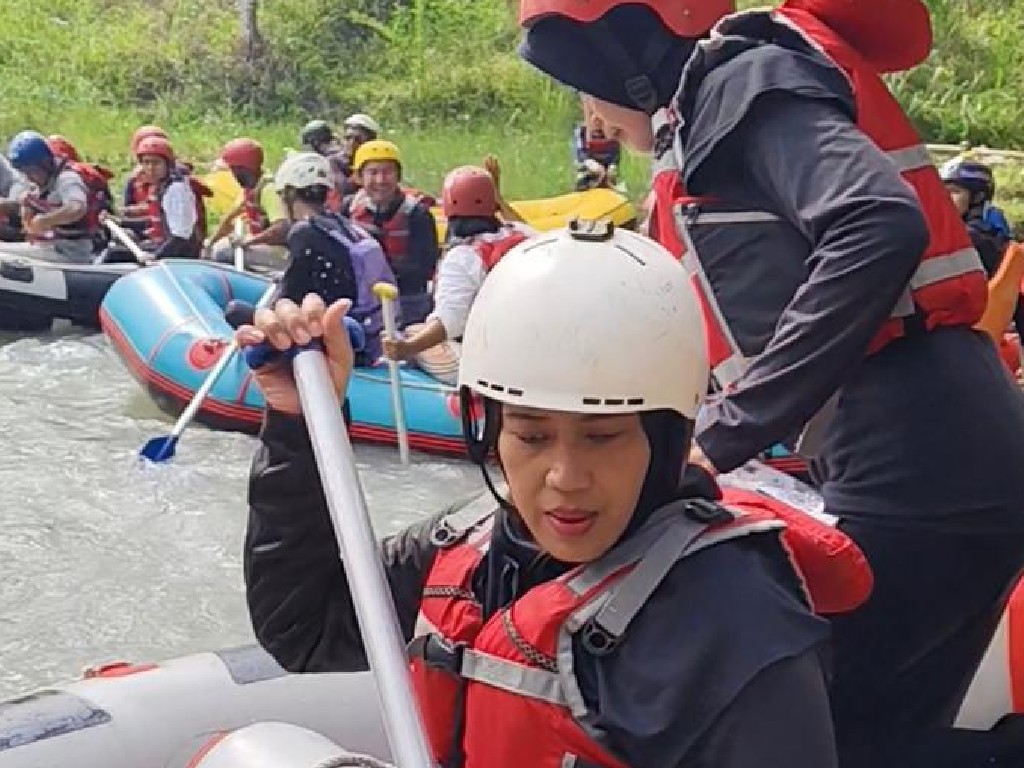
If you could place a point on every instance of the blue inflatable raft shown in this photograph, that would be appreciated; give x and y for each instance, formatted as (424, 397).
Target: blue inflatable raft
(166, 322)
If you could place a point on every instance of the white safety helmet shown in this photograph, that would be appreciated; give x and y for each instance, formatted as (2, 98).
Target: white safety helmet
(302, 170)
(587, 319)
(365, 122)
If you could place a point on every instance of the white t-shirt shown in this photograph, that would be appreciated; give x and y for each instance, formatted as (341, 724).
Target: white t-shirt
(179, 206)
(460, 275)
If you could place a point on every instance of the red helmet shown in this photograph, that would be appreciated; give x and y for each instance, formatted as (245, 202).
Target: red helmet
(146, 132)
(63, 148)
(243, 153)
(155, 145)
(686, 18)
(469, 191)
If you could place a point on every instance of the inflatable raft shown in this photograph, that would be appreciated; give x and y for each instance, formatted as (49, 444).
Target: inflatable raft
(181, 713)
(35, 292)
(167, 324)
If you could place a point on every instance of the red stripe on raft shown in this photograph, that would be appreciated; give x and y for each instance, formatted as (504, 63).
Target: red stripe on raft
(206, 749)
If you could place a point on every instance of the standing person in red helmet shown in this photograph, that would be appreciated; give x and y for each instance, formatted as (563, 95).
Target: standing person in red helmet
(477, 240)
(266, 223)
(847, 289)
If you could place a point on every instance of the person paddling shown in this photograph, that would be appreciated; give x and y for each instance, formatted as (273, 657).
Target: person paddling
(258, 205)
(53, 200)
(847, 287)
(477, 241)
(534, 640)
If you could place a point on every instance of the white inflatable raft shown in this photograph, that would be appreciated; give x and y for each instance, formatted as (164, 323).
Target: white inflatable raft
(166, 715)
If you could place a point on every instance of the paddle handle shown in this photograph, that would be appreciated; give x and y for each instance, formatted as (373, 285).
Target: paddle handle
(387, 293)
(126, 240)
(214, 375)
(259, 355)
(375, 608)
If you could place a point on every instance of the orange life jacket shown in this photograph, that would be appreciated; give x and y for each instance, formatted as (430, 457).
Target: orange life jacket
(949, 287)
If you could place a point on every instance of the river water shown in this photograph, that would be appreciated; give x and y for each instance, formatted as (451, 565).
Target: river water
(102, 558)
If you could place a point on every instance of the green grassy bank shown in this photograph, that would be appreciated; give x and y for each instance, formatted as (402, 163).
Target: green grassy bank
(442, 75)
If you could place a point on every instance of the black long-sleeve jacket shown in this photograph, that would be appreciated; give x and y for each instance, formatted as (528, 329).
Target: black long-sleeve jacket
(720, 670)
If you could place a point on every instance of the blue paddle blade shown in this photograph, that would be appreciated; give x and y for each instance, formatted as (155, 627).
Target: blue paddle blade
(261, 354)
(159, 449)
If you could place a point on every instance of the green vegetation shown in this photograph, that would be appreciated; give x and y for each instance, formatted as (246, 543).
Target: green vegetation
(441, 74)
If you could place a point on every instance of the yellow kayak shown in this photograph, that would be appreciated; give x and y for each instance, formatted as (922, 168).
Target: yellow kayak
(543, 215)
(554, 212)
(225, 192)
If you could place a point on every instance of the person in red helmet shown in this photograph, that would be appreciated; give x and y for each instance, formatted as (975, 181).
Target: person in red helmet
(477, 240)
(172, 211)
(842, 290)
(266, 222)
(136, 187)
(97, 183)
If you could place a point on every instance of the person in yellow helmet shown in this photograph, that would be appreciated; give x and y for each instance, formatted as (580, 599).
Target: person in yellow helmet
(401, 221)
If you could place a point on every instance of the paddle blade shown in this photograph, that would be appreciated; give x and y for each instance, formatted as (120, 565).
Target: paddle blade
(159, 449)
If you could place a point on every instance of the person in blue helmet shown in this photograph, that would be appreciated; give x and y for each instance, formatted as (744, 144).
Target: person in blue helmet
(972, 187)
(848, 290)
(53, 200)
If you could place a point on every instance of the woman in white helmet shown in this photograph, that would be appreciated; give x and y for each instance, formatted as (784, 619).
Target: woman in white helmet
(597, 608)
(359, 129)
(328, 255)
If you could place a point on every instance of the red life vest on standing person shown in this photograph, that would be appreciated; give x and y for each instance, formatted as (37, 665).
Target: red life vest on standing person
(501, 687)
(949, 287)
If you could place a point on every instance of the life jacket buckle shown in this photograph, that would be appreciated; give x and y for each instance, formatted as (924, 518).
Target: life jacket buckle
(438, 653)
(443, 534)
(706, 511)
(596, 640)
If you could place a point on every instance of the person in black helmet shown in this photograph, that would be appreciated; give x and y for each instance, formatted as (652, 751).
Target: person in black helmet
(848, 291)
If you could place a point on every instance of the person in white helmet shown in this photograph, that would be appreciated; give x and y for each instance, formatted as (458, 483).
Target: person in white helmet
(534, 640)
(328, 255)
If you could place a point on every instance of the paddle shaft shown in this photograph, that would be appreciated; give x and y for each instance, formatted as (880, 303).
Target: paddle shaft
(214, 375)
(391, 328)
(239, 250)
(126, 240)
(375, 609)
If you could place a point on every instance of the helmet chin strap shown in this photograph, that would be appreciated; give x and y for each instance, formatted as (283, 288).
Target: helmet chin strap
(639, 86)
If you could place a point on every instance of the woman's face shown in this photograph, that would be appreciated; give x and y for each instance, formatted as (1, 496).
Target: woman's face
(961, 197)
(574, 479)
(628, 125)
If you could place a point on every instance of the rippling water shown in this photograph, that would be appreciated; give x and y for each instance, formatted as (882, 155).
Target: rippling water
(101, 559)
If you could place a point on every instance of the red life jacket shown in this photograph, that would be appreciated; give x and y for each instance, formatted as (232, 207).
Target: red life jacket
(139, 188)
(97, 185)
(949, 287)
(501, 687)
(392, 234)
(491, 248)
(256, 219)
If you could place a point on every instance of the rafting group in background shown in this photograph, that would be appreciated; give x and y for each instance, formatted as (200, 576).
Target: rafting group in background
(310, 219)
